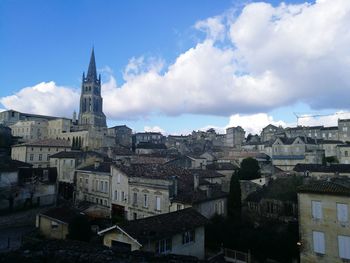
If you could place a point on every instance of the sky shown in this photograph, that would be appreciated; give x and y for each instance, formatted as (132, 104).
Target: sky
(178, 65)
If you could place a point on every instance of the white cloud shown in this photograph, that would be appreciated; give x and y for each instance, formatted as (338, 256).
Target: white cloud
(325, 120)
(262, 58)
(254, 123)
(154, 129)
(44, 98)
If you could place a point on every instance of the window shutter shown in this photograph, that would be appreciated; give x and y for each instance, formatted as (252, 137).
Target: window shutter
(318, 242)
(158, 203)
(316, 209)
(344, 247)
(342, 212)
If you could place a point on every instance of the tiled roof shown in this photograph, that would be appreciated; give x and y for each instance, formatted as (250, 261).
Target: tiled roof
(186, 192)
(104, 167)
(149, 145)
(221, 166)
(330, 128)
(164, 225)
(344, 145)
(7, 164)
(46, 142)
(332, 168)
(64, 214)
(335, 186)
(206, 173)
(322, 141)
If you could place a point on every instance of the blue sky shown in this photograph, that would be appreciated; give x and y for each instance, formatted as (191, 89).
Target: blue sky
(140, 48)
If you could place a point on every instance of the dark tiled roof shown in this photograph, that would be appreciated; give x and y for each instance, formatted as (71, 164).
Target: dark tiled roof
(64, 214)
(335, 186)
(149, 145)
(322, 141)
(65, 154)
(221, 166)
(306, 140)
(206, 173)
(335, 128)
(333, 168)
(164, 225)
(46, 142)
(7, 164)
(101, 168)
(344, 145)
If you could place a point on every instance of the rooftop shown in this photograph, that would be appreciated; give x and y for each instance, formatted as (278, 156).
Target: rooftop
(46, 142)
(63, 214)
(332, 168)
(163, 225)
(335, 186)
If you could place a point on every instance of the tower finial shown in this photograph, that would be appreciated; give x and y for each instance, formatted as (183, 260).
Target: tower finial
(92, 74)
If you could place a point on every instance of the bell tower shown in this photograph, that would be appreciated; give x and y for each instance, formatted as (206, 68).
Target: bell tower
(90, 111)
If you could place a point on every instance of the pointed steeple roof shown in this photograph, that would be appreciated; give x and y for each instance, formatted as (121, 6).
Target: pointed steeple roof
(92, 74)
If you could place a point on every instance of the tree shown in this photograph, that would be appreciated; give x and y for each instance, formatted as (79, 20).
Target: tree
(79, 228)
(249, 169)
(234, 203)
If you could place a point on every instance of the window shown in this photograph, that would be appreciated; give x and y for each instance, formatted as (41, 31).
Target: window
(344, 247)
(342, 212)
(118, 178)
(145, 200)
(40, 157)
(163, 246)
(318, 242)
(134, 215)
(316, 209)
(188, 237)
(101, 186)
(123, 196)
(48, 157)
(134, 199)
(81, 181)
(116, 195)
(71, 163)
(106, 187)
(105, 202)
(157, 203)
(178, 207)
(31, 157)
(96, 185)
(86, 184)
(54, 225)
(345, 129)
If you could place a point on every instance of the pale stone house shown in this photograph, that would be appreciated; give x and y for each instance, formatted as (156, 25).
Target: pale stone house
(38, 152)
(329, 147)
(140, 190)
(343, 153)
(287, 152)
(66, 164)
(324, 221)
(93, 184)
(54, 223)
(30, 130)
(269, 132)
(344, 130)
(181, 233)
(122, 134)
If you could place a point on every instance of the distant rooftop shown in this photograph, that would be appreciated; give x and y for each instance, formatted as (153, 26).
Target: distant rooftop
(46, 142)
(334, 186)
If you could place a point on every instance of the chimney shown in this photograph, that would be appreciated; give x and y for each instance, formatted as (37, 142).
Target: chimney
(195, 181)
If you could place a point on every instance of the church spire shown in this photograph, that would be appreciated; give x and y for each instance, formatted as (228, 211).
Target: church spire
(92, 74)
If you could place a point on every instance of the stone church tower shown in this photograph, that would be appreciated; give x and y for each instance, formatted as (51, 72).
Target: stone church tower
(90, 112)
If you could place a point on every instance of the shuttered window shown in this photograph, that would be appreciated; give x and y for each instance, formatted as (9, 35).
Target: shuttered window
(316, 209)
(318, 242)
(342, 212)
(157, 203)
(344, 247)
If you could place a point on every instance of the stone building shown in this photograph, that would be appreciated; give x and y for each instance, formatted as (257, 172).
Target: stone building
(324, 221)
(30, 130)
(123, 135)
(287, 152)
(343, 153)
(235, 136)
(38, 152)
(180, 233)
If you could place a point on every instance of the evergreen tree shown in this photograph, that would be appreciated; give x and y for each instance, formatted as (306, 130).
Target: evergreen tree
(234, 199)
(79, 229)
(249, 169)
